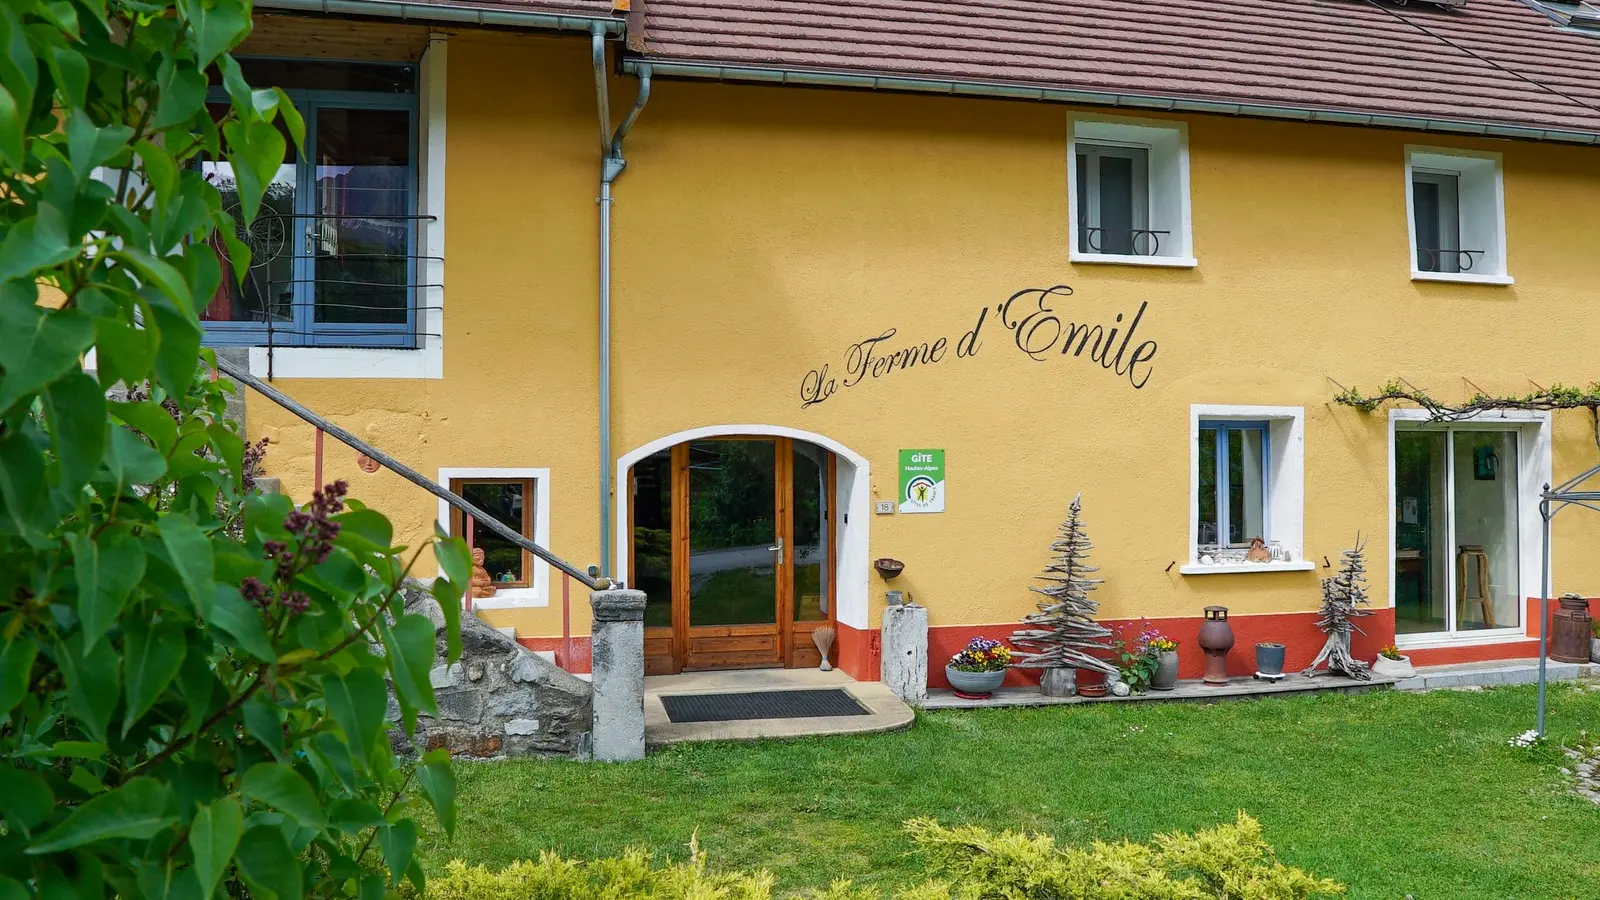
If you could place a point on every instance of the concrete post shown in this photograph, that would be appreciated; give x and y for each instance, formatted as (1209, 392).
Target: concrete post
(905, 652)
(617, 648)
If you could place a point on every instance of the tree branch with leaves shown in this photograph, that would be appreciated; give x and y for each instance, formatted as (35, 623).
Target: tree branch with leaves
(194, 678)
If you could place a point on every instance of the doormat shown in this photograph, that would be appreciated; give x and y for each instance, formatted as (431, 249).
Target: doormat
(807, 704)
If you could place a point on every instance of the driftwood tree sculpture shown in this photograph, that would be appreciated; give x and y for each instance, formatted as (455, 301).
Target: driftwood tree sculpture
(1064, 630)
(1343, 598)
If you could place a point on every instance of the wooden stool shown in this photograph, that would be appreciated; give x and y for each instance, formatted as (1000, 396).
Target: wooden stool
(1469, 554)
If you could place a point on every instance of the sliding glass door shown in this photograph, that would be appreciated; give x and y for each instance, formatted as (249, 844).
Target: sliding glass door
(1456, 531)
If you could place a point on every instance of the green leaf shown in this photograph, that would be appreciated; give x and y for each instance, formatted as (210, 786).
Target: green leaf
(139, 809)
(107, 571)
(27, 798)
(256, 150)
(89, 147)
(269, 868)
(39, 346)
(152, 419)
(131, 460)
(152, 655)
(124, 351)
(410, 655)
(16, 670)
(358, 702)
(292, 120)
(11, 130)
(354, 814)
(456, 561)
(213, 837)
(399, 842)
(282, 788)
(439, 783)
(22, 484)
(92, 684)
(364, 530)
(71, 73)
(263, 722)
(218, 26)
(18, 68)
(183, 93)
(75, 407)
(179, 352)
(239, 619)
(190, 552)
(157, 273)
(160, 171)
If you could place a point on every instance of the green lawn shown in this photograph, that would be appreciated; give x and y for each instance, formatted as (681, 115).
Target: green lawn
(1392, 793)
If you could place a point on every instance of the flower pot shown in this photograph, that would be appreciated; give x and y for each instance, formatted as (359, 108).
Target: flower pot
(1393, 668)
(1269, 658)
(974, 684)
(1091, 683)
(1166, 675)
(1092, 690)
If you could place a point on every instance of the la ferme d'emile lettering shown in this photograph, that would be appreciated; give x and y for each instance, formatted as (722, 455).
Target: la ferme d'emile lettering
(1036, 331)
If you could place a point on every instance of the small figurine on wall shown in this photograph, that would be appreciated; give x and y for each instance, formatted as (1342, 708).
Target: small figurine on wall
(481, 584)
(1258, 552)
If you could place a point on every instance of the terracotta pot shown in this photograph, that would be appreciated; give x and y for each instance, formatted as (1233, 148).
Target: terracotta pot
(1166, 675)
(1216, 639)
(1092, 690)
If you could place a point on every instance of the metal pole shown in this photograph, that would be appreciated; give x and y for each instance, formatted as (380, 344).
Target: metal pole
(244, 377)
(566, 623)
(1544, 600)
(316, 482)
(471, 542)
(605, 376)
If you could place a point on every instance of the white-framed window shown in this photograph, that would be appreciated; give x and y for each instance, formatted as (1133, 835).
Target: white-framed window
(1465, 535)
(1455, 203)
(1247, 482)
(1128, 189)
(520, 499)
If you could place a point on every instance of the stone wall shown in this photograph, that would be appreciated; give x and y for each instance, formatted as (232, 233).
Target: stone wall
(499, 699)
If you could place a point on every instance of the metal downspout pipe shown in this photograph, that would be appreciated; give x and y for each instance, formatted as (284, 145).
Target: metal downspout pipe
(612, 165)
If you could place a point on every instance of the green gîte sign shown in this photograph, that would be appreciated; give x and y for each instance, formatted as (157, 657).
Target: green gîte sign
(921, 481)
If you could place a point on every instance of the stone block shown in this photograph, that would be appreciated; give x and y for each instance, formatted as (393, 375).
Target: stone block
(464, 743)
(522, 726)
(617, 660)
(905, 652)
(459, 704)
(445, 676)
(512, 704)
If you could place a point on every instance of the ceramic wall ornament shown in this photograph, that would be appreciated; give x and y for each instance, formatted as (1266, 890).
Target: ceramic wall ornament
(366, 463)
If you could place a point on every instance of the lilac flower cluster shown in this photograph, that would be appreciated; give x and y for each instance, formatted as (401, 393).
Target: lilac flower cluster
(314, 532)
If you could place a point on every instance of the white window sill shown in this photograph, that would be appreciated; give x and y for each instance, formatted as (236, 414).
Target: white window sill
(1170, 262)
(349, 362)
(1461, 638)
(1242, 568)
(1461, 277)
(510, 598)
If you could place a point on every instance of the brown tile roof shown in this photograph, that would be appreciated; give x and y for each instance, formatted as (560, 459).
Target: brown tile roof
(1491, 61)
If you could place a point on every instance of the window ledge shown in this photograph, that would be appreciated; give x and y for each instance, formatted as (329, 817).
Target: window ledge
(1482, 637)
(1170, 262)
(1244, 568)
(510, 598)
(1461, 277)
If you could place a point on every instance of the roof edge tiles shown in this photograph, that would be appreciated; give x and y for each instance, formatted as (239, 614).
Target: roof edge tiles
(1326, 115)
(446, 13)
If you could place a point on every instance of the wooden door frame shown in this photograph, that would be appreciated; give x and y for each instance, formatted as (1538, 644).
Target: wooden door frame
(783, 505)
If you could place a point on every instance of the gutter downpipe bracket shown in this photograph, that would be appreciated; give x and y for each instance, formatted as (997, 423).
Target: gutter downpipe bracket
(612, 165)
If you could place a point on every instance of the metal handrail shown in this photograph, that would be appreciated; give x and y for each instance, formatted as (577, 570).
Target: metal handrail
(455, 500)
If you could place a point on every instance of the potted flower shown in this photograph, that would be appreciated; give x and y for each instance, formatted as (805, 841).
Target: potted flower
(978, 669)
(1392, 663)
(1166, 675)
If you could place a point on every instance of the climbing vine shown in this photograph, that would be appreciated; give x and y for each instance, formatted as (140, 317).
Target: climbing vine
(1555, 397)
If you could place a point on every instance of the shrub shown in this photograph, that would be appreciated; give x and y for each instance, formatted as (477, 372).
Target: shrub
(1228, 862)
(190, 701)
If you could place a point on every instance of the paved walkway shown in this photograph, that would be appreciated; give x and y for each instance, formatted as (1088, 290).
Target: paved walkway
(886, 711)
(1500, 671)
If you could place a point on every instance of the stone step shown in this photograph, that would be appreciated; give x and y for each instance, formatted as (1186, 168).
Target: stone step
(509, 631)
(1485, 674)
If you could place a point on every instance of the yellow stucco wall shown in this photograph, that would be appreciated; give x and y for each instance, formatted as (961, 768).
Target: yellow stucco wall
(760, 231)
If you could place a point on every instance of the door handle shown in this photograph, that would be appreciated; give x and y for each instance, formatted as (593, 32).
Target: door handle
(779, 548)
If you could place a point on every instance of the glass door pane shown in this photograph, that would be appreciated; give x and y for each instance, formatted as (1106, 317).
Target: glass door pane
(652, 536)
(1485, 495)
(359, 236)
(733, 566)
(811, 539)
(1423, 560)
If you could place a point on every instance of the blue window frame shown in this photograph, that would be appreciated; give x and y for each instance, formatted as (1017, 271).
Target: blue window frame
(1235, 464)
(334, 251)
